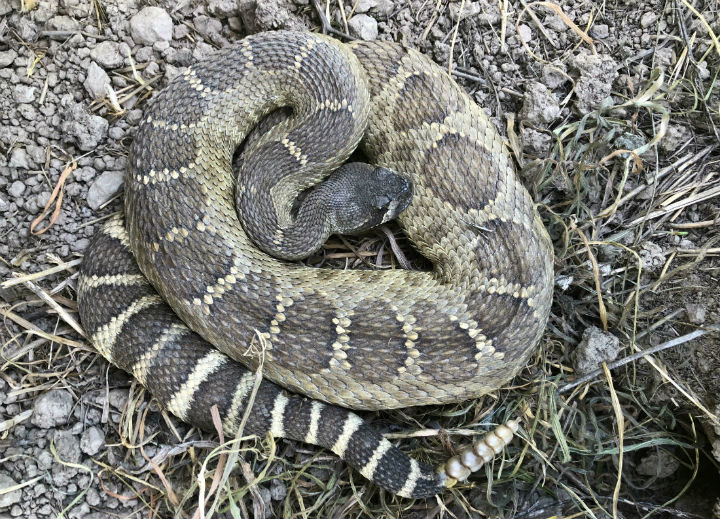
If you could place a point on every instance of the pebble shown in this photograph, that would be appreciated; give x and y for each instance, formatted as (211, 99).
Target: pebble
(64, 24)
(151, 24)
(67, 446)
(469, 9)
(7, 57)
(104, 188)
(648, 18)
(695, 313)
(23, 94)
(601, 31)
(96, 81)
(363, 6)
(16, 189)
(596, 347)
(92, 440)
(19, 159)
(83, 128)
(52, 408)
(118, 398)
(222, 8)
(107, 54)
(384, 7)
(364, 27)
(524, 32)
(10, 498)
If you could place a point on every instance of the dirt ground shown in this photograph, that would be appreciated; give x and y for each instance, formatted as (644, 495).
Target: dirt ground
(611, 113)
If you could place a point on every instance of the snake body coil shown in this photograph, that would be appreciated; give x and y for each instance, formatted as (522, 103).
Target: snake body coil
(359, 339)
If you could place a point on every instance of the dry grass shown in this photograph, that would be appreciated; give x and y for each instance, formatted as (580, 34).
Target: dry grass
(605, 190)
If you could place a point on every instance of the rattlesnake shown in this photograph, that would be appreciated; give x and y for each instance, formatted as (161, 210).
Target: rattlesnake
(358, 339)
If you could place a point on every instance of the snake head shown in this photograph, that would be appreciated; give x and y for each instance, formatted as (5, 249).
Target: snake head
(395, 193)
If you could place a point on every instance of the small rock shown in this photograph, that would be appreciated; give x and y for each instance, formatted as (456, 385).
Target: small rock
(652, 256)
(677, 136)
(92, 440)
(469, 9)
(384, 7)
(648, 18)
(96, 81)
(118, 398)
(63, 24)
(658, 464)
(77, 8)
(364, 27)
(278, 490)
(23, 94)
(19, 159)
(104, 188)
(524, 32)
(85, 129)
(107, 54)
(10, 498)
(535, 142)
(52, 408)
(595, 348)
(540, 108)
(601, 31)
(222, 8)
(553, 75)
(695, 313)
(67, 446)
(16, 189)
(363, 6)
(151, 24)
(7, 57)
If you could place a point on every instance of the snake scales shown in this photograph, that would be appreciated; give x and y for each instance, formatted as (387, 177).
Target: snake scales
(358, 339)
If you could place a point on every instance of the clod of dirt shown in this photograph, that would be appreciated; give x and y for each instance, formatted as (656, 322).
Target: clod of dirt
(535, 143)
(652, 256)
(595, 348)
(540, 108)
(52, 409)
(695, 313)
(677, 135)
(67, 446)
(7, 57)
(85, 129)
(659, 464)
(597, 73)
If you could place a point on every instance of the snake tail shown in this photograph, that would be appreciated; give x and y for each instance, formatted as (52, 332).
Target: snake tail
(137, 332)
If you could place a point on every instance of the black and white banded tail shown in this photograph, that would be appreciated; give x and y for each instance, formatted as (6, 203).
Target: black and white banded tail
(139, 333)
